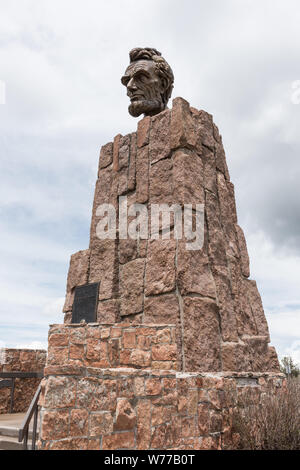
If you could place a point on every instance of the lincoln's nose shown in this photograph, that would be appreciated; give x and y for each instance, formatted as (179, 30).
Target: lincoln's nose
(131, 86)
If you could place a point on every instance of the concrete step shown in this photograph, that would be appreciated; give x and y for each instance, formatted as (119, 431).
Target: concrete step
(11, 443)
(9, 431)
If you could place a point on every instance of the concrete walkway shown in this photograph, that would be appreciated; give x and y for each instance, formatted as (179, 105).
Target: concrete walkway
(13, 420)
(9, 431)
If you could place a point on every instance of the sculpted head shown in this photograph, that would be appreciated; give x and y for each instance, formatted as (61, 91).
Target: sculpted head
(149, 82)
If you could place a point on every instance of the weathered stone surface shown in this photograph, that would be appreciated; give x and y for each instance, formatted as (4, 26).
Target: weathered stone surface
(201, 335)
(125, 416)
(104, 267)
(108, 311)
(142, 174)
(132, 163)
(58, 340)
(124, 148)
(97, 353)
(77, 336)
(216, 133)
(183, 132)
(257, 309)
(163, 336)
(235, 357)
(76, 351)
(258, 352)
(217, 245)
(143, 131)
(162, 414)
(165, 309)
(129, 339)
(209, 170)
(106, 156)
(160, 267)
(144, 342)
(164, 352)
(194, 273)
(131, 287)
(205, 130)
(161, 182)
(103, 192)
(123, 440)
(70, 444)
(188, 178)
(143, 424)
(244, 315)
(272, 360)
(116, 147)
(160, 136)
(161, 410)
(78, 271)
(114, 352)
(127, 250)
(68, 305)
(231, 193)
(221, 160)
(55, 425)
(139, 358)
(123, 181)
(162, 309)
(228, 215)
(243, 251)
(60, 392)
(78, 423)
(225, 303)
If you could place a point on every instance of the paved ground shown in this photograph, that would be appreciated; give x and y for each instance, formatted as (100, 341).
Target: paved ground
(13, 420)
(9, 431)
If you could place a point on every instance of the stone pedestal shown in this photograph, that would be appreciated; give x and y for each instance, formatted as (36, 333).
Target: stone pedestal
(178, 330)
(114, 387)
(177, 157)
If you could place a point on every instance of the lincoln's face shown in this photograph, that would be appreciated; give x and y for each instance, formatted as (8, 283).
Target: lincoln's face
(144, 88)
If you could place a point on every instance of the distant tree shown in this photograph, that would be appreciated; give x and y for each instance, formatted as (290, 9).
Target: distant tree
(288, 367)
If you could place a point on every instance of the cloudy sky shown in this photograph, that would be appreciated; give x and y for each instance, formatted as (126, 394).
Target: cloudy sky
(60, 65)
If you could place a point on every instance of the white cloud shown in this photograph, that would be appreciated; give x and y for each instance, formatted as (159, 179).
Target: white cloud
(294, 351)
(285, 324)
(32, 345)
(53, 309)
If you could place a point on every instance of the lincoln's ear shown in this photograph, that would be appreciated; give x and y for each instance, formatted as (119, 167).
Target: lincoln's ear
(163, 83)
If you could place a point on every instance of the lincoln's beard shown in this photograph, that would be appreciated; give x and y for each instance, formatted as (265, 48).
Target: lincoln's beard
(147, 107)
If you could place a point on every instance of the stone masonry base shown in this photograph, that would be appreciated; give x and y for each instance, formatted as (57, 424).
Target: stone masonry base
(113, 387)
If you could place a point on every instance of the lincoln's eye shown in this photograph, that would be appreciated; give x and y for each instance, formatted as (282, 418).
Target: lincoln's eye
(142, 77)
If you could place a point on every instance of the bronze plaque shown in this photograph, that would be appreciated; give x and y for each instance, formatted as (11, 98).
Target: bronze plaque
(85, 303)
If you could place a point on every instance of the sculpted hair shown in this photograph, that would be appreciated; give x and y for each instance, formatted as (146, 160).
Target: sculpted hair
(162, 67)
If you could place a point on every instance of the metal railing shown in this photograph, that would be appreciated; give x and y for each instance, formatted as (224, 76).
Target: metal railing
(7, 379)
(32, 411)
